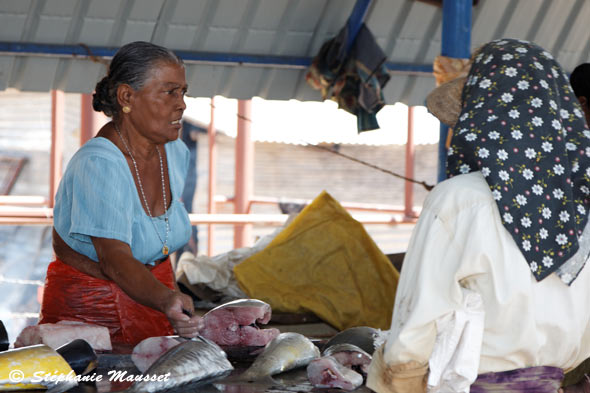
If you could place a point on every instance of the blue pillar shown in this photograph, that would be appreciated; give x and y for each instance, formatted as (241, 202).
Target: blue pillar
(456, 42)
(355, 21)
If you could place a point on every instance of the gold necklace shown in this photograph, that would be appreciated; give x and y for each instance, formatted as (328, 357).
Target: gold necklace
(165, 248)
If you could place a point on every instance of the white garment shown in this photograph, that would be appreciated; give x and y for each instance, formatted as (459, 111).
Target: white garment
(460, 242)
(454, 360)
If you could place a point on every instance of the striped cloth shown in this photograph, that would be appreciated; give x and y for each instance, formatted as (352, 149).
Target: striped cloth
(543, 379)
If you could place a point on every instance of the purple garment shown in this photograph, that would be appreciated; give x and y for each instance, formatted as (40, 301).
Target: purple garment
(543, 379)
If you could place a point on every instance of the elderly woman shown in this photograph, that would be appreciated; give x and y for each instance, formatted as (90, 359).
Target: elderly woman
(118, 215)
(494, 292)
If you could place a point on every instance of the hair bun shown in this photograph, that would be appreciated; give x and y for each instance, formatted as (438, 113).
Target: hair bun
(101, 99)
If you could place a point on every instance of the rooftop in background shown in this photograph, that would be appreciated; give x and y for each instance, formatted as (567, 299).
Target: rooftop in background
(301, 123)
(408, 31)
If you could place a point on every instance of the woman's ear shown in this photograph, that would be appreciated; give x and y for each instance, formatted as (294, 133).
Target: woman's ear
(125, 95)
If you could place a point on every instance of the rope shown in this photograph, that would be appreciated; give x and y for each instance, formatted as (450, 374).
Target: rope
(427, 186)
(93, 57)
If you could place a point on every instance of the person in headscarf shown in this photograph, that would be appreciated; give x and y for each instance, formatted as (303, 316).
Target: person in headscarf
(494, 291)
(580, 81)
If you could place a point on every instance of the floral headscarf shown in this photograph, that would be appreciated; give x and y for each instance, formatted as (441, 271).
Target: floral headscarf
(523, 128)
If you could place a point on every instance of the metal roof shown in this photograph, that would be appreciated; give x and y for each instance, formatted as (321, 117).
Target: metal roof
(268, 31)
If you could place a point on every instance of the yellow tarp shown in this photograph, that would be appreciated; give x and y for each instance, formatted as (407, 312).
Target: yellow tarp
(324, 262)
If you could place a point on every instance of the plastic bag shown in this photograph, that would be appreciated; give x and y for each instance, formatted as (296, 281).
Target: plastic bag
(217, 272)
(72, 295)
(454, 361)
(326, 263)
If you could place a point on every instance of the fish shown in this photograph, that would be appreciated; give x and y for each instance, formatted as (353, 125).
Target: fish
(285, 352)
(237, 324)
(343, 366)
(35, 367)
(364, 337)
(79, 355)
(328, 372)
(4, 343)
(350, 356)
(57, 334)
(195, 360)
(146, 352)
(345, 359)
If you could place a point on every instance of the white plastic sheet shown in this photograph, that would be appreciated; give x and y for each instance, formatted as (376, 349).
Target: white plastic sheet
(217, 272)
(455, 357)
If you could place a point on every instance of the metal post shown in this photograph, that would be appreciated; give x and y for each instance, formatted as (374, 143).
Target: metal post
(57, 132)
(90, 120)
(212, 178)
(456, 42)
(244, 172)
(409, 186)
(355, 21)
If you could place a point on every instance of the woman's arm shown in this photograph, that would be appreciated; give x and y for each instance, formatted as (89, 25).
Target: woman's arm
(118, 264)
(81, 262)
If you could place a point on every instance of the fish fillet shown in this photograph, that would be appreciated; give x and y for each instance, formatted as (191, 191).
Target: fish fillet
(327, 372)
(149, 350)
(350, 356)
(55, 335)
(236, 324)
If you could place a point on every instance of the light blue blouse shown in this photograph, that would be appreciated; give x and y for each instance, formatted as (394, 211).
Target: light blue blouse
(97, 197)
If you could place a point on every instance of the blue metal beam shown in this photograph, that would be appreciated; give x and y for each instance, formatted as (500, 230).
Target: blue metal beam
(83, 51)
(53, 50)
(355, 21)
(456, 42)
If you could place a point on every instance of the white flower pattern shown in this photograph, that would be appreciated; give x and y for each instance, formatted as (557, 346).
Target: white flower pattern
(530, 153)
(507, 97)
(516, 134)
(537, 189)
(514, 114)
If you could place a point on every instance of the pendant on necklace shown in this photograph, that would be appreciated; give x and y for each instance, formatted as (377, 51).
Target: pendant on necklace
(165, 250)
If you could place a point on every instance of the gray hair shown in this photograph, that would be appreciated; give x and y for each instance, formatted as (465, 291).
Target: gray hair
(131, 65)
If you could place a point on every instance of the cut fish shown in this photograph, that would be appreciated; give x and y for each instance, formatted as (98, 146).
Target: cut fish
(57, 334)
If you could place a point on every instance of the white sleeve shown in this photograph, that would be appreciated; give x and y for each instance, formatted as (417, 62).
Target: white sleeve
(444, 249)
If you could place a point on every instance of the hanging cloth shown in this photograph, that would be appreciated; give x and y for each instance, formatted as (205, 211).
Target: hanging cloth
(355, 80)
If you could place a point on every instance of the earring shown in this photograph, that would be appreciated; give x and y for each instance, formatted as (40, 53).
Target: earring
(126, 109)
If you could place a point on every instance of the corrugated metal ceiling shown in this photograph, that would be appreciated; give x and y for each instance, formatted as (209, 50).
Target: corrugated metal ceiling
(409, 32)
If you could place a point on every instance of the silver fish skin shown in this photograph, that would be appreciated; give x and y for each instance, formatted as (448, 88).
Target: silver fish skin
(363, 337)
(240, 303)
(189, 362)
(285, 352)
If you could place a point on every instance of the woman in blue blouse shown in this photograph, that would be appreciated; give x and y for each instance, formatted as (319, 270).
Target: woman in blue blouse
(118, 213)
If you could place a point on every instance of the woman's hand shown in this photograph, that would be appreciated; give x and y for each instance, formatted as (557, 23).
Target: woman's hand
(117, 263)
(179, 310)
